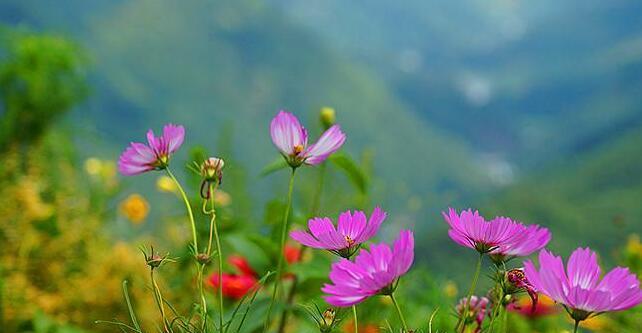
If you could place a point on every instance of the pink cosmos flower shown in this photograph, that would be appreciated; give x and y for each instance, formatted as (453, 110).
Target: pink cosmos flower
(530, 239)
(579, 287)
(292, 140)
(373, 272)
(471, 230)
(352, 230)
(139, 157)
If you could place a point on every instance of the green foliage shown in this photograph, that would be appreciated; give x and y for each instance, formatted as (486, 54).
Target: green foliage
(41, 77)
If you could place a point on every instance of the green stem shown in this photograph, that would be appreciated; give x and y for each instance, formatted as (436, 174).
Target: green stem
(158, 297)
(473, 285)
(201, 293)
(314, 210)
(354, 315)
(403, 321)
(187, 205)
(219, 254)
(279, 269)
(577, 323)
(496, 310)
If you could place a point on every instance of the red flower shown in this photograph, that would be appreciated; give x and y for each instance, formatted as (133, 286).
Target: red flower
(241, 264)
(292, 254)
(234, 286)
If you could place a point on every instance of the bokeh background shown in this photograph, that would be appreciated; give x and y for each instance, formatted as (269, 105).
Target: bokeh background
(527, 109)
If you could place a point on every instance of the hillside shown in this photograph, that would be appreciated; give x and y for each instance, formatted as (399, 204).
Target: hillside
(525, 82)
(213, 65)
(592, 199)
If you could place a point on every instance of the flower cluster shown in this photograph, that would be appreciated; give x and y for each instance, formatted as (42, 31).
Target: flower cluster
(363, 271)
(578, 288)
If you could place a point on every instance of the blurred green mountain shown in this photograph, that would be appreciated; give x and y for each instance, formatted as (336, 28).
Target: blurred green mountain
(591, 199)
(214, 65)
(526, 82)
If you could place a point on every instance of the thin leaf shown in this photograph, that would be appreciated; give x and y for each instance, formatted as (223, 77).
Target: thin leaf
(356, 175)
(274, 166)
(130, 308)
(432, 316)
(249, 306)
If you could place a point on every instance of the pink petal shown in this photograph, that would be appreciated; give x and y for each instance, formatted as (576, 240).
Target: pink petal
(351, 225)
(329, 142)
(376, 218)
(306, 239)
(173, 136)
(287, 132)
(583, 269)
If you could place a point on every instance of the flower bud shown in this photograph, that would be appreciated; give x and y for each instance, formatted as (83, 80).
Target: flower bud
(516, 281)
(212, 169)
(328, 321)
(328, 315)
(327, 115)
(203, 258)
(154, 261)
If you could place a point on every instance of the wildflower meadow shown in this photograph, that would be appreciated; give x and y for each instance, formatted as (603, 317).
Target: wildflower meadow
(321, 167)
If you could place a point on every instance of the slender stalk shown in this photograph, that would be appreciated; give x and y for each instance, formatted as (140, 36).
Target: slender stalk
(577, 324)
(314, 210)
(187, 205)
(158, 297)
(199, 268)
(496, 310)
(219, 254)
(201, 293)
(279, 269)
(473, 285)
(403, 321)
(356, 322)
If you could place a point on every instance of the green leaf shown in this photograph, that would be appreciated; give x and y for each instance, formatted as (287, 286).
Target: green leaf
(356, 175)
(274, 166)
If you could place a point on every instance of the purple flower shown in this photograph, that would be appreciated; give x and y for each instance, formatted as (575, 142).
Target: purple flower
(373, 272)
(530, 239)
(352, 230)
(139, 157)
(579, 287)
(471, 230)
(292, 140)
(475, 311)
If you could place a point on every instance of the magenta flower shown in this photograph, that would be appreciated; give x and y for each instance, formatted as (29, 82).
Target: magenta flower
(292, 141)
(530, 239)
(374, 272)
(579, 287)
(471, 230)
(352, 230)
(139, 157)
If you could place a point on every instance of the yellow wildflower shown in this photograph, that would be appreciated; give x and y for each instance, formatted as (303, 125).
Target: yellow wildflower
(93, 166)
(450, 289)
(633, 246)
(166, 184)
(135, 208)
